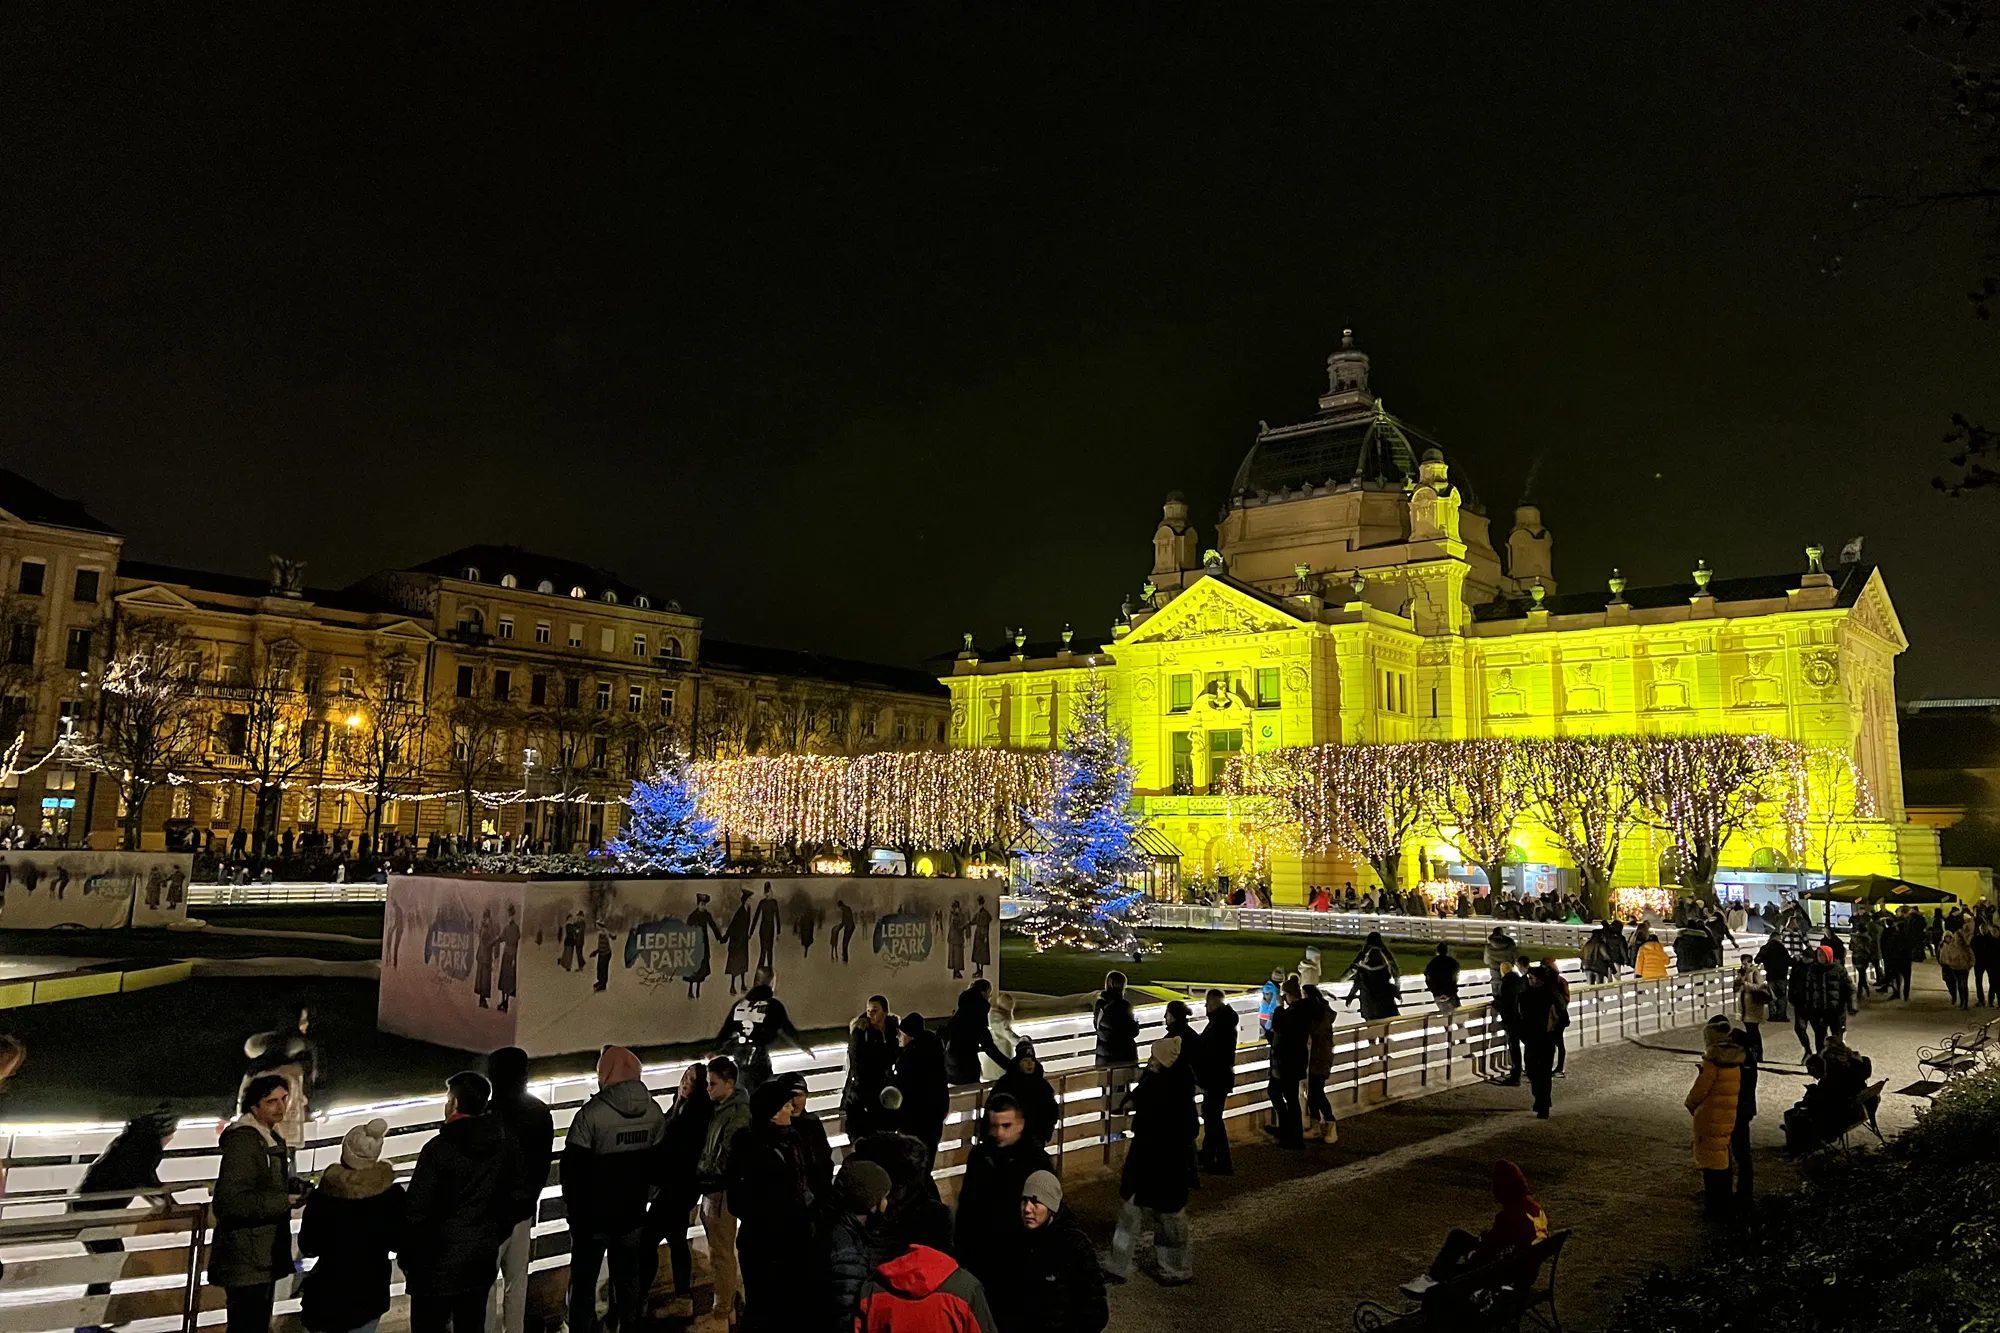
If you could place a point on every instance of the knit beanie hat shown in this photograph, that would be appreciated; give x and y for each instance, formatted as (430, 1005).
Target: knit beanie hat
(860, 1187)
(1044, 1189)
(1166, 1050)
(764, 1102)
(912, 1024)
(616, 1065)
(362, 1145)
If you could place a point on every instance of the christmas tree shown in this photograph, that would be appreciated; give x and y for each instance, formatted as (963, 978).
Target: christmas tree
(667, 833)
(1087, 839)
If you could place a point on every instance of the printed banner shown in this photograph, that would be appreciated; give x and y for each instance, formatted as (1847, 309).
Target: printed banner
(571, 965)
(41, 890)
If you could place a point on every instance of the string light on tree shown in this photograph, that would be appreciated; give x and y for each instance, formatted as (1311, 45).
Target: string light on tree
(667, 833)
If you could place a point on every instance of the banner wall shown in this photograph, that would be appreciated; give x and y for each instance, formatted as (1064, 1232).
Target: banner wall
(578, 964)
(99, 890)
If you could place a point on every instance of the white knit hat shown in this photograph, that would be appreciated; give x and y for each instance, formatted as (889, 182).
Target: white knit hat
(362, 1145)
(1166, 1050)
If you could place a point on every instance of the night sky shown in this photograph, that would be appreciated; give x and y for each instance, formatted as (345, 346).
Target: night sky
(851, 332)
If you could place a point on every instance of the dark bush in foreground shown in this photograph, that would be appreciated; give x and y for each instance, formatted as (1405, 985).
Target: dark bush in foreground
(1904, 1239)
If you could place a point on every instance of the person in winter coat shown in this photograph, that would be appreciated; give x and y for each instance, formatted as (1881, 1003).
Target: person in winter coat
(1986, 956)
(968, 1034)
(1864, 947)
(352, 1221)
(1508, 983)
(770, 1192)
(1291, 1046)
(921, 1289)
(1746, 1111)
(1520, 1224)
(753, 1027)
(1000, 1026)
(677, 1183)
(988, 1228)
(607, 1170)
(532, 1130)
(729, 1118)
(1600, 955)
(1056, 1285)
(1776, 960)
(911, 1184)
(919, 1076)
(1376, 984)
(129, 1162)
(1954, 955)
(1116, 1029)
(1539, 1003)
(1269, 998)
(1025, 1082)
(1650, 964)
(288, 1051)
(1713, 1102)
(853, 1240)
(812, 1137)
(871, 1056)
(255, 1193)
(460, 1209)
(1159, 1167)
(1501, 951)
(1753, 1003)
(1320, 1123)
(1822, 998)
(1897, 956)
(1561, 1017)
(1215, 1074)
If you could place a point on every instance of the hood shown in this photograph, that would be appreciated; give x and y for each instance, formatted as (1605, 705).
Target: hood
(629, 1098)
(251, 1122)
(273, 1045)
(346, 1182)
(476, 1136)
(918, 1271)
(737, 1098)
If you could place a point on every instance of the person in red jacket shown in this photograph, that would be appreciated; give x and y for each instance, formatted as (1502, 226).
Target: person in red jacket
(922, 1289)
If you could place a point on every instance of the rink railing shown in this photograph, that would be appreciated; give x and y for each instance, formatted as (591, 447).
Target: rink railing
(285, 894)
(154, 1284)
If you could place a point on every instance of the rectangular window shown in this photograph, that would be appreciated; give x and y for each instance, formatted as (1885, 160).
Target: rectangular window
(572, 692)
(13, 717)
(1224, 743)
(465, 682)
(69, 717)
(1180, 691)
(607, 640)
(666, 702)
(506, 627)
(347, 680)
(1267, 687)
(21, 647)
(1434, 701)
(635, 698)
(603, 695)
(86, 585)
(503, 685)
(638, 645)
(598, 745)
(33, 572)
(233, 734)
(77, 656)
(575, 635)
(461, 743)
(542, 632)
(1182, 748)
(538, 689)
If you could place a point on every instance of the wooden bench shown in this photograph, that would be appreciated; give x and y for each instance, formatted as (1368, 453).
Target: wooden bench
(1959, 1054)
(1495, 1296)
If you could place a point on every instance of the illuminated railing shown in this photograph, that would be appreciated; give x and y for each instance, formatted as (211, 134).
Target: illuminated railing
(154, 1283)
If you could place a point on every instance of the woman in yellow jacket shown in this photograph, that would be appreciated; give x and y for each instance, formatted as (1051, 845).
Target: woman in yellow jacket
(1713, 1101)
(1650, 964)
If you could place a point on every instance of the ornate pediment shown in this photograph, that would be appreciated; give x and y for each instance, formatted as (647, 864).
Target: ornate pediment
(1212, 607)
(1874, 612)
(154, 597)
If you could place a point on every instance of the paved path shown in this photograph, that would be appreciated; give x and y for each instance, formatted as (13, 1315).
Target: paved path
(1296, 1240)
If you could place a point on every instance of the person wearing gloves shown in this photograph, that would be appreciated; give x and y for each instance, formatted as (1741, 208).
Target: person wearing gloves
(1058, 1288)
(607, 1174)
(352, 1221)
(255, 1193)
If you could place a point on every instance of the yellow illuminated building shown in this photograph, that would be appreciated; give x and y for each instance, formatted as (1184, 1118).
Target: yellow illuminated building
(1353, 594)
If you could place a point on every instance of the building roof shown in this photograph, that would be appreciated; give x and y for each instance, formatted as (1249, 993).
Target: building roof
(32, 504)
(243, 585)
(1333, 450)
(531, 570)
(1848, 581)
(753, 659)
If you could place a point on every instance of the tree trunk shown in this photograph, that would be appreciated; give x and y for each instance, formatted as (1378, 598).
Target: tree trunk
(1389, 870)
(1496, 872)
(134, 822)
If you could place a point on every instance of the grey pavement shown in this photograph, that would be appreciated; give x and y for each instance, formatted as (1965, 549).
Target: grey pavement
(1297, 1239)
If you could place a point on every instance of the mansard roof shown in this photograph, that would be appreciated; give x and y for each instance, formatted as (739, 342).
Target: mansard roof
(1849, 580)
(32, 504)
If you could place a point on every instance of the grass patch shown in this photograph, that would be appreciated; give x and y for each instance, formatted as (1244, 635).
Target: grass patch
(1907, 1238)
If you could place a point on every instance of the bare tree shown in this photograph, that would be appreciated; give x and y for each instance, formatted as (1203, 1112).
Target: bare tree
(566, 726)
(378, 737)
(805, 716)
(1701, 791)
(154, 715)
(725, 728)
(476, 730)
(1829, 802)
(271, 701)
(1365, 800)
(1585, 790)
(1477, 799)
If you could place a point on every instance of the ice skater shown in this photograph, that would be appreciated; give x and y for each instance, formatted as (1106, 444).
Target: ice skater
(737, 965)
(843, 934)
(603, 956)
(704, 921)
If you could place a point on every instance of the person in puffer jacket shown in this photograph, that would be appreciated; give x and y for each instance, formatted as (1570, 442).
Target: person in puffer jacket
(922, 1289)
(607, 1175)
(1501, 951)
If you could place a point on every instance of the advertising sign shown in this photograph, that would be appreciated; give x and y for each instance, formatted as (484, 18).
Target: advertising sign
(41, 890)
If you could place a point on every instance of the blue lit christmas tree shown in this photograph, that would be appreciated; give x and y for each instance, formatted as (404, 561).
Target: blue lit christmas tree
(1088, 839)
(667, 833)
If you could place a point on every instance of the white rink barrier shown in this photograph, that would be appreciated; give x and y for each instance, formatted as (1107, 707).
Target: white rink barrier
(155, 1282)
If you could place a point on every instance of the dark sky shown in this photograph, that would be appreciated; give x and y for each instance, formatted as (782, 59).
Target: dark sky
(855, 330)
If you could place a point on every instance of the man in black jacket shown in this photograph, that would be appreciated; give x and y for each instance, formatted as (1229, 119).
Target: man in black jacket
(607, 1177)
(1291, 1039)
(1215, 1071)
(1057, 1286)
(919, 1077)
(753, 1026)
(871, 1055)
(462, 1197)
(988, 1230)
(1117, 1032)
(532, 1131)
(968, 1033)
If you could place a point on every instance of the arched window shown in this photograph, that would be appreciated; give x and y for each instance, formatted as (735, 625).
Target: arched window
(643, 602)
(470, 573)
(672, 648)
(611, 597)
(509, 581)
(578, 591)
(545, 586)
